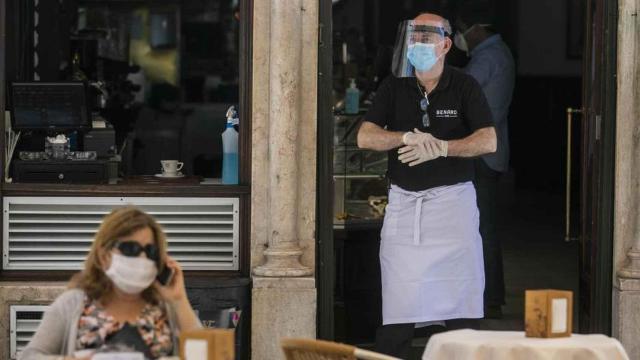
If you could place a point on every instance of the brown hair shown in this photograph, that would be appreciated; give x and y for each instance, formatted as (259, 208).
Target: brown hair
(119, 223)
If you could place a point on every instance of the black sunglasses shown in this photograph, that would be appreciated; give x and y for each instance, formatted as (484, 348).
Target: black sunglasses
(132, 248)
(424, 104)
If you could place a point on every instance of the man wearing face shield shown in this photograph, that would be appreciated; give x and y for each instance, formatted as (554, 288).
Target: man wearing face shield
(432, 120)
(492, 65)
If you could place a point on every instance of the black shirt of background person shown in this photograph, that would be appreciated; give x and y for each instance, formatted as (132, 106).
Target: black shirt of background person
(457, 108)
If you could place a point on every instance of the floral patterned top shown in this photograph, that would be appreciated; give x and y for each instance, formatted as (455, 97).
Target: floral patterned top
(95, 325)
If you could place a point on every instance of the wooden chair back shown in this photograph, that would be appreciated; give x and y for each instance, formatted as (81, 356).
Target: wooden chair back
(311, 349)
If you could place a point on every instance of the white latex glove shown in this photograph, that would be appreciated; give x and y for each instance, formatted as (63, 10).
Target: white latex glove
(412, 138)
(426, 148)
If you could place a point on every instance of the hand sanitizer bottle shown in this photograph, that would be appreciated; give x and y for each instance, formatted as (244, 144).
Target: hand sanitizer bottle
(352, 99)
(230, 149)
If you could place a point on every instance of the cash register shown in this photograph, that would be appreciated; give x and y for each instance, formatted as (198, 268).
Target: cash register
(55, 109)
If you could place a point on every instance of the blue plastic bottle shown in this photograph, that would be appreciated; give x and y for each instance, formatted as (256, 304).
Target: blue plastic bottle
(230, 150)
(352, 99)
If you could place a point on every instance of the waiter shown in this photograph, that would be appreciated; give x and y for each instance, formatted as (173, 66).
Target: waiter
(432, 120)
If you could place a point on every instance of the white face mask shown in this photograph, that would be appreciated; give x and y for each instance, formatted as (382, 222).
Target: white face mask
(461, 43)
(132, 275)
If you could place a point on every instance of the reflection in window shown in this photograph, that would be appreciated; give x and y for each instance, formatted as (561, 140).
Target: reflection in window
(160, 77)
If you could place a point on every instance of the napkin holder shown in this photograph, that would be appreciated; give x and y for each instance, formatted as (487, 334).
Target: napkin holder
(548, 313)
(207, 344)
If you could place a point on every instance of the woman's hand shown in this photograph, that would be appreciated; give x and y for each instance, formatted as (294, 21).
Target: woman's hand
(174, 291)
(176, 294)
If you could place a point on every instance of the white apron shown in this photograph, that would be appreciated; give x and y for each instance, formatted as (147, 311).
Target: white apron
(431, 255)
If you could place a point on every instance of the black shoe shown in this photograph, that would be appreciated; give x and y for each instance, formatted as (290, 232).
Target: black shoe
(493, 312)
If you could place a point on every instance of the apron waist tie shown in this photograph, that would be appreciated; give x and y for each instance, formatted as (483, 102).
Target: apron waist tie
(420, 196)
(416, 221)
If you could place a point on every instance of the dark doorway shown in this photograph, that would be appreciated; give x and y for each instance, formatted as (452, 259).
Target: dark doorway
(357, 39)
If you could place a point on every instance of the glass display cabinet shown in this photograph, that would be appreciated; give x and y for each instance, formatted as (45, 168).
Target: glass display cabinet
(360, 186)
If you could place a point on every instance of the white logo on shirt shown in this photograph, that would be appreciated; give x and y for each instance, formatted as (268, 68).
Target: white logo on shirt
(447, 113)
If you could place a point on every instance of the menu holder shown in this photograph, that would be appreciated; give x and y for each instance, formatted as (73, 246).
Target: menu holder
(207, 344)
(548, 313)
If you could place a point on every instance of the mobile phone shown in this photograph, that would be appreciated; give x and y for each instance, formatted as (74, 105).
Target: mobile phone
(165, 276)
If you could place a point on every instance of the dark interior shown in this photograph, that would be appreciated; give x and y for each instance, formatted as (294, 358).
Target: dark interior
(162, 74)
(531, 206)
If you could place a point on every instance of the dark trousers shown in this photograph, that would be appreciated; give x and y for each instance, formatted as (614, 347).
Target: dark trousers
(486, 184)
(395, 340)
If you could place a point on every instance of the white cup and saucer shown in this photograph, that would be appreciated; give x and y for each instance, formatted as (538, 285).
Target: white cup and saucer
(171, 169)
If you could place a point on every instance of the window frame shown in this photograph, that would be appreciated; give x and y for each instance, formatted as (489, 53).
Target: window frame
(242, 190)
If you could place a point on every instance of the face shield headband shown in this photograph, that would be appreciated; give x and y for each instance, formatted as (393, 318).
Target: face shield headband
(412, 36)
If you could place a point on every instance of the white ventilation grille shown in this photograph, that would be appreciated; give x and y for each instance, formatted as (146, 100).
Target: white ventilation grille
(55, 233)
(23, 323)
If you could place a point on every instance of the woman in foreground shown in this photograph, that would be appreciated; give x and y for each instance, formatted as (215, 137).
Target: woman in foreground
(116, 302)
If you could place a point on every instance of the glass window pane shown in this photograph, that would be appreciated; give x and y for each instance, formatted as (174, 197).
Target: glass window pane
(160, 77)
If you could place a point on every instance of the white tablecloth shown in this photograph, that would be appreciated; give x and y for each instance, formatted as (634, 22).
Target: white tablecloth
(503, 345)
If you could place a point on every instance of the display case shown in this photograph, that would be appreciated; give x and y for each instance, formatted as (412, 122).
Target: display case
(360, 186)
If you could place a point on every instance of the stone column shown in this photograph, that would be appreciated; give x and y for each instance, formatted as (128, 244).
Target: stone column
(283, 185)
(627, 214)
(285, 67)
(631, 269)
(626, 289)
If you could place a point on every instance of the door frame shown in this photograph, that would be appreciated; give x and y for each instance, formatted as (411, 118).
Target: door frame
(596, 315)
(600, 295)
(325, 262)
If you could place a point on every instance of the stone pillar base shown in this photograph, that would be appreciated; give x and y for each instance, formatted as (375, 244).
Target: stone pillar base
(281, 307)
(283, 263)
(14, 293)
(626, 315)
(632, 268)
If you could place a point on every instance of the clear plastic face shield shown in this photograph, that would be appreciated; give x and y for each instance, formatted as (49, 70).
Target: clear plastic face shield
(418, 47)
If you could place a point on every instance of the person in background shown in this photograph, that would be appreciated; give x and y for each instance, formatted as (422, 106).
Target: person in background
(116, 299)
(492, 65)
(432, 120)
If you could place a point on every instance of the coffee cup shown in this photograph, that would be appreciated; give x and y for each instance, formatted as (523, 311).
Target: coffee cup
(171, 167)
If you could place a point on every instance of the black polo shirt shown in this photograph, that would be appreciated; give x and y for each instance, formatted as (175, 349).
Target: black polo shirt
(457, 108)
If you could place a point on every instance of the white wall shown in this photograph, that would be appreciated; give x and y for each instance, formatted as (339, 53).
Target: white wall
(542, 32)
